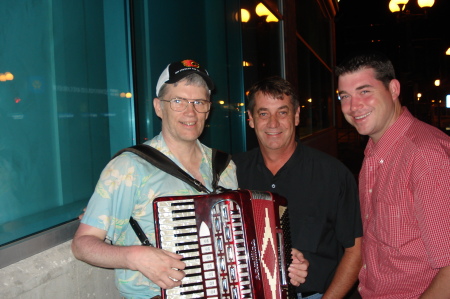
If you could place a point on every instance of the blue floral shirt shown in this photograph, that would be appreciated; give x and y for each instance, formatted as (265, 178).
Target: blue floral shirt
(127, 187)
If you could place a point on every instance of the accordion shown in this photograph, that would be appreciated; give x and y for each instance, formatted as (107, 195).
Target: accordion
(235, 244)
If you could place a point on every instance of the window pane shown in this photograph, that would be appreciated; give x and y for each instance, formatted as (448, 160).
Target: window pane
(64, 110)
(213, 39)
(315, 90)
(315, 28)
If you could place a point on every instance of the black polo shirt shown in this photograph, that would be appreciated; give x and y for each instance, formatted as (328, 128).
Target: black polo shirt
(323, 206)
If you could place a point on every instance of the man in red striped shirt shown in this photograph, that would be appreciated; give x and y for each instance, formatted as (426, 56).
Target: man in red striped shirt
(404, 186)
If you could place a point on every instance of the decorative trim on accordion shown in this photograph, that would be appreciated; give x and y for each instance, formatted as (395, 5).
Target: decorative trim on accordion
(232, 244)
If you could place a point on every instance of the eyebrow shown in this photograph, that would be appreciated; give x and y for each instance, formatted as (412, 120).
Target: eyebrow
(201, 99)
(363, 86)
(266, 109)
(357, 88)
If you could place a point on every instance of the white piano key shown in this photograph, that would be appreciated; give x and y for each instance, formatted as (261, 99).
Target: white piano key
(171, 223)
(192, 279)
(192, 263)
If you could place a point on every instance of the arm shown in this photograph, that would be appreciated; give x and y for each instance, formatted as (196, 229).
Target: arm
(439, 285)
(298, 270)
(156, 264)
(347, 272)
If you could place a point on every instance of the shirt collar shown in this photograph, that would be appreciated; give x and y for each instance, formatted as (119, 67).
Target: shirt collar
(391, 136)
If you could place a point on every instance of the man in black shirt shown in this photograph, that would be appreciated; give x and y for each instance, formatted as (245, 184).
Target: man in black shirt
(321, 192)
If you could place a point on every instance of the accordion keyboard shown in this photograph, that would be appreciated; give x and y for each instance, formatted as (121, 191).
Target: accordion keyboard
(213, 249)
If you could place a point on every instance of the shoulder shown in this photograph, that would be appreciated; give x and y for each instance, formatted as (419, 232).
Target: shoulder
(317, 157)
(245, 158)
(428, 140)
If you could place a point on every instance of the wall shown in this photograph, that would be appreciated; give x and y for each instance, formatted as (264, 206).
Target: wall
(55, 273)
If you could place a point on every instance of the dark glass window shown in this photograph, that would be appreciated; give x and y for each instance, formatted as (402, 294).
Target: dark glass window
(64, 110)
(315, 93)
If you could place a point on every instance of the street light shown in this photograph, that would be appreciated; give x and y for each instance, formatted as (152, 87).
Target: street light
(400, 5)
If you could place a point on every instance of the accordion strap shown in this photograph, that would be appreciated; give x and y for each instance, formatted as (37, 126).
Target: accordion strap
(220, 161)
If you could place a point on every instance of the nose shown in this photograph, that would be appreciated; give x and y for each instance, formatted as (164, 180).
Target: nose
(356, 103)
(273, 121)
(190, 108)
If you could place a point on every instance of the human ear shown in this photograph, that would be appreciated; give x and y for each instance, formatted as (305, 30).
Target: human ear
(394, 88)
(297, 116)
(157, 106)
(251, 122)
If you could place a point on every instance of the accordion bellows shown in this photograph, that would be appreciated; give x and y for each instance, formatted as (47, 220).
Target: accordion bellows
(235, 244)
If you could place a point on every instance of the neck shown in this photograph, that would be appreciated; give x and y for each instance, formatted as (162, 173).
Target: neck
(274, 159)
(398, 110)
(183, 151)
(188, 154)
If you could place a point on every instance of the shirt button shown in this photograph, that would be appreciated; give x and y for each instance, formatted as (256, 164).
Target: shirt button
(273, 186)
(381, 161)
(370, 190)
(367, 216)
(364, 266)
(359, 288)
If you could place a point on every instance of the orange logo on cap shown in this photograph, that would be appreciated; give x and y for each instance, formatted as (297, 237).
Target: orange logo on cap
(190, 63)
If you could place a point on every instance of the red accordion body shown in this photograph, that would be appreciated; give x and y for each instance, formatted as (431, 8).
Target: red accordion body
(232, 243)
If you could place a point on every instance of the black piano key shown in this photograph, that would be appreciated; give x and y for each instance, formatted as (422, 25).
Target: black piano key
(186, 251)
(192, 284)
(189, 258)
(183, 218)
(190, 292)
(183, 211)
(186, 243)
(185, 234)
(177, 203)
(184, 227)
(192, 274)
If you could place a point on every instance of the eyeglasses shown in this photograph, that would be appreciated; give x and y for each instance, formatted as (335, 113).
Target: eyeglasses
(180, 104)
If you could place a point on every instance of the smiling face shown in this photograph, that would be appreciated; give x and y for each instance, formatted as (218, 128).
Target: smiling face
(185, 126)
(367, 103)
(274, 121)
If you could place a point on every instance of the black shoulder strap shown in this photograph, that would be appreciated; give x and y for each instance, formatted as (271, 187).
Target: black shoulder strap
(153, 156)
(161, 161)
(220, 162)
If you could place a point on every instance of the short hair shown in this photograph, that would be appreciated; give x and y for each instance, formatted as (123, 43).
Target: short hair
(380, 63)
(191, 79)
(274, 86)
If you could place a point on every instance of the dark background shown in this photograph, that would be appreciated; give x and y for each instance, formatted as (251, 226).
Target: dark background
(415, 40)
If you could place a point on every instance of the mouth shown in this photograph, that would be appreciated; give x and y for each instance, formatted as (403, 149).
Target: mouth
(273, 133)
(362, 116)
(192, 123)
